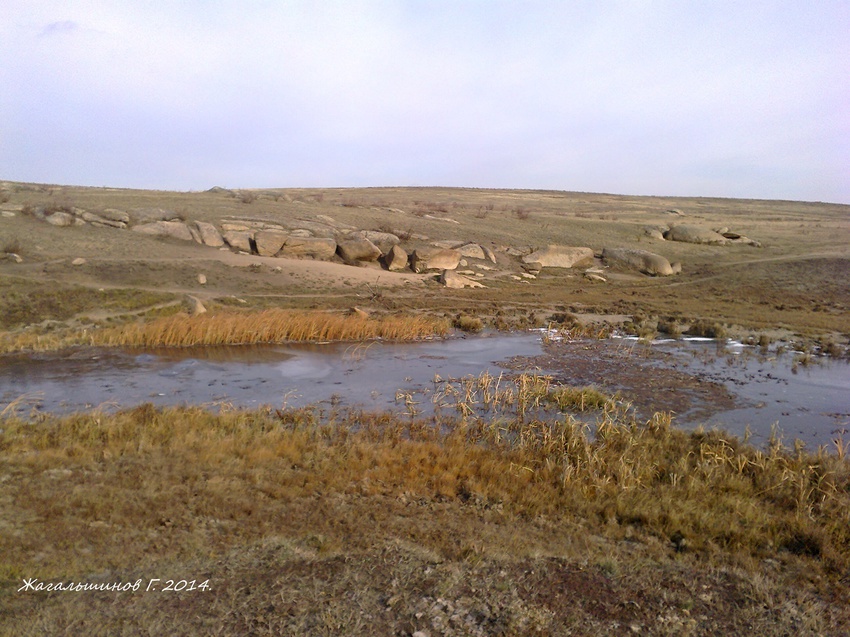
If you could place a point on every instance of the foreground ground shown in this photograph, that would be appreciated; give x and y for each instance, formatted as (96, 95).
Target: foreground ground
(360, 524)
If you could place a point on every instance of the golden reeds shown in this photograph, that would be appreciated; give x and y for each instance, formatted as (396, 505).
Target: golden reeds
(238, 328)
(268, 326)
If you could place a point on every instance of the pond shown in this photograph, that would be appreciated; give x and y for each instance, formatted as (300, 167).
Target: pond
(722, 384)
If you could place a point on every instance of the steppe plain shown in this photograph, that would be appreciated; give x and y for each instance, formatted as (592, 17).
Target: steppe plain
(361, 524)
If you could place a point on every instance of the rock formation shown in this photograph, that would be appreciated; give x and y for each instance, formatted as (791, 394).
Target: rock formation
(641, 260)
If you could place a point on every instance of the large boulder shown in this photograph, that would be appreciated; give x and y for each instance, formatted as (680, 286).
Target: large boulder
(320, 248)
(557, 256)
(734, 237)
(269, 242)
(167, 229)
(641, 260)
(656, 232)
(472, 251)
(210, 236)
(61, 219)
(395, 259)
(354, 247)
(384, 240)
(194, 305)
(238, 239)
(424, 259)
(695, 234)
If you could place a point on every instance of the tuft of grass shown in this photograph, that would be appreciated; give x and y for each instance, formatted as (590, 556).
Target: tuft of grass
(670, 327)
(13, 246)
(468, 323)
(579, 398)
(707, 329)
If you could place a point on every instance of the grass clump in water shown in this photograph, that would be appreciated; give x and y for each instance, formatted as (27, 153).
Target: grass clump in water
(268, 326)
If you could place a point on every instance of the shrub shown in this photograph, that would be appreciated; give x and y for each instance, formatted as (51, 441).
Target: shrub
(707, 329)
(468, 323)
(13, 246)
(670, 327)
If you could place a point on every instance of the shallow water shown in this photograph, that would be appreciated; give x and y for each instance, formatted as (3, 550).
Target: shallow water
(808, 402)
(367, 375)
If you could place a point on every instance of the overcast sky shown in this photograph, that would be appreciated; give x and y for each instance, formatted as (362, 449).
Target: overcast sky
(699, 98)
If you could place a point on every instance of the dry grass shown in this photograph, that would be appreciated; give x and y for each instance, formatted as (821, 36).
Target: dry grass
(152, 492)
(269, 326)
(712, 490)
(234, 328)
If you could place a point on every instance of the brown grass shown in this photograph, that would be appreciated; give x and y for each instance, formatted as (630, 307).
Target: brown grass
(234, 328)
(707, 487)
(152, 492)
(269, 326)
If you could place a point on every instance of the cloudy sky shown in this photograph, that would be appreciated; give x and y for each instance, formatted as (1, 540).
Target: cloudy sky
(710, 98)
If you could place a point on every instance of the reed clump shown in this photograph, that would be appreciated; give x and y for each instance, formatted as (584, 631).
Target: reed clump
(234, 328)
(268, 326)
(517, 397)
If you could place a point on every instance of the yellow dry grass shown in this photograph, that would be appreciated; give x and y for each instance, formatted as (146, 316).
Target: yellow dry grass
(704, 490)
(235, 328)
(152, 490)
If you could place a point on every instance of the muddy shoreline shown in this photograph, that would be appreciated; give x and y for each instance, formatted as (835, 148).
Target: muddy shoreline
(648, 378)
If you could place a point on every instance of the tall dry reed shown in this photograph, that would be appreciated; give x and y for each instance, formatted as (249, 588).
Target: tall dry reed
(236, 328)
(268, 326)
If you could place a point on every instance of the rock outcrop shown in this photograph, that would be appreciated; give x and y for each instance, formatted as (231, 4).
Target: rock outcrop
(424, 259)
(61, 219)
(210, 236)
(354, 247)
(557, 256)
(238, 239)
(148, 215)
(655, 232)
(695, 234)
(451, 279)
(641, 260)
(395, 259)
(269, 242)
(472, 251)
(320, 248)
(166, 229)
(101, 221)
(383, 240)
(119, 216)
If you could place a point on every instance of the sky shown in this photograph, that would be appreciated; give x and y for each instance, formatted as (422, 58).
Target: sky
(742, 99)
